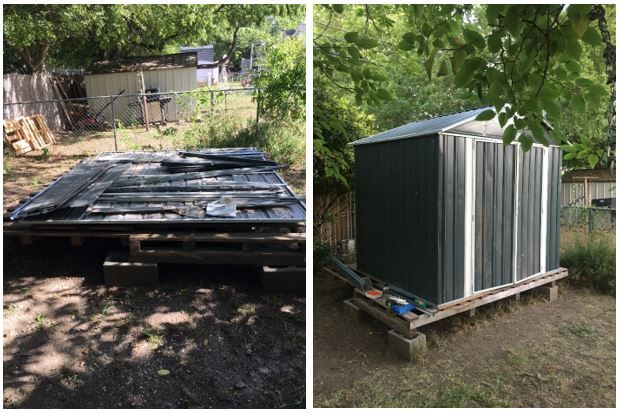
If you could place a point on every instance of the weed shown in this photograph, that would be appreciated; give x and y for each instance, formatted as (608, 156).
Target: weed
(593, 258)
(578, 329)
(153, 338)
(105, 309)
(517, 358)
(39, 320)
(46, 153)
(35, 182)
(9, 309)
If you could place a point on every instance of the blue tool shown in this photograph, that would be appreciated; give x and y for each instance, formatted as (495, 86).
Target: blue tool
(402, 309)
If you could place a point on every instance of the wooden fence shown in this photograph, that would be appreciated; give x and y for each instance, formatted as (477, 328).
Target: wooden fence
(340, 225)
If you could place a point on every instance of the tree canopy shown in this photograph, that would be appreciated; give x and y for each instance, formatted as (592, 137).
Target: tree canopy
(56, 35)
(402, 63)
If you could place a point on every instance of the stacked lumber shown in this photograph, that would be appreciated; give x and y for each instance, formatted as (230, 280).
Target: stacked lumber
(27, 134)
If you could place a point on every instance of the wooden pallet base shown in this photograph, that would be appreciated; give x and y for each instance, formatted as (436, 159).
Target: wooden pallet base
(408, 323)
(212, 248)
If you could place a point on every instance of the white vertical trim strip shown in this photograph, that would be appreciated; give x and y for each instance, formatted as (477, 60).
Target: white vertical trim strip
(469, 217)
(543, 209)
(517, 182)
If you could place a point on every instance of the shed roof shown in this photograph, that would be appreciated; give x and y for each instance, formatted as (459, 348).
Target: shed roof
(424, 127)
(592, 175)
(206, 54)
(132, 64)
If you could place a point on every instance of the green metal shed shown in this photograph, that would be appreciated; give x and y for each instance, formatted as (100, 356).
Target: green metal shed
(444, 210)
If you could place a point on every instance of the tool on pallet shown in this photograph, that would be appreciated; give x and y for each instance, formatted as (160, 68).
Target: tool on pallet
(395, 300)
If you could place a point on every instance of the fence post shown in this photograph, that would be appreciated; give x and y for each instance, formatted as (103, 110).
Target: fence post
(212, 101)
(114, 126)
(590, 220)
(257, 106)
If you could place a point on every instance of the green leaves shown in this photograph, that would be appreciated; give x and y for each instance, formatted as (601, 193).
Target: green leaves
(366, 43)
(457, 59)
(552, 108)
(592, 36)
(486, 115)
(443, 69)
(578, 103)
(473, 37)
(494, 42)
(593, 160)
(509, 134)
(351, 37)
(466, 72)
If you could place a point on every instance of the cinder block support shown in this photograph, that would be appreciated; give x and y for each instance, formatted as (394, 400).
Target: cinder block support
(553, 292)
(410, 349)
(353, 311)
(284, 279)
(517, 296)
(472, 312)
(118, 271)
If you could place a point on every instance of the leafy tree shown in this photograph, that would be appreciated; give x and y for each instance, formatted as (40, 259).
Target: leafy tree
(281, 86)
(336, 123)
(524, 60)
(36, 36)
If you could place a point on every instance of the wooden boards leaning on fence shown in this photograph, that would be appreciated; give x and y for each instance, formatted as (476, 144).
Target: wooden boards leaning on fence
(27, 134)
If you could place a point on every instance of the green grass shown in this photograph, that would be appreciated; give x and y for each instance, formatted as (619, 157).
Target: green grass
(578, 329)
(591, 257)
(154, 338)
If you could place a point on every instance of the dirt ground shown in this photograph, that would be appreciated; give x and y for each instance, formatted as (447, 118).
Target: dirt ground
(204, 337)
(215, 336)
(531, 353)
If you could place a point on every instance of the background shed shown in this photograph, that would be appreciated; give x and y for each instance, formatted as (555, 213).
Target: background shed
(167, 73)
(206, 55)
(444, 210)
(580, 187)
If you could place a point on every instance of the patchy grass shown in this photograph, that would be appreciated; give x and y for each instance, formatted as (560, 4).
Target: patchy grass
(578, 329)
(531, 353)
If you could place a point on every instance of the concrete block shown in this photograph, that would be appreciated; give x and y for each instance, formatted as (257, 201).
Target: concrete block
(119, 271)
(553, 292)
(284, 279)
(410, 349)
(353, 311)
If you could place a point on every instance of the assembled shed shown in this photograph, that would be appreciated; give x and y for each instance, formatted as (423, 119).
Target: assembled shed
(444, 210)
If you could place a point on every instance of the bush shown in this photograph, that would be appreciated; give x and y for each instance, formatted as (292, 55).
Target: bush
(593, 258)
(284, 143)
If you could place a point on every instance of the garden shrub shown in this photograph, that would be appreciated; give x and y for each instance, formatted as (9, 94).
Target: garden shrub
(592, 258)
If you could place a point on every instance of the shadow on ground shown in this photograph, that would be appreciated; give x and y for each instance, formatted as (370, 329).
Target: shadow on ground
(204, 337)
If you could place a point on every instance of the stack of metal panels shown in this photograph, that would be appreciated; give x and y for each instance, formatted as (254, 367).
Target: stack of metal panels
(171, 187)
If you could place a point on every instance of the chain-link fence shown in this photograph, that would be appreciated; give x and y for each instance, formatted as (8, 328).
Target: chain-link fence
(588, 218)
(87, 126)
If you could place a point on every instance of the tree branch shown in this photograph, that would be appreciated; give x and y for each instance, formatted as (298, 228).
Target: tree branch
(226, 58)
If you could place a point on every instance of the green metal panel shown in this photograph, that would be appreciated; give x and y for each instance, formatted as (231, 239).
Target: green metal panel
(494, 214)
(553, 209)
(451, 220)
(396, 213)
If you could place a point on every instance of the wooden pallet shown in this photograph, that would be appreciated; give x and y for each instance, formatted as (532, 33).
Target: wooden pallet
(219, 248)
(407, 324)
(27, 134)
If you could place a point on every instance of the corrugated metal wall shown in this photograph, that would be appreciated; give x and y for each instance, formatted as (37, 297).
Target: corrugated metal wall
(573, 192)
(529, 213)
(396, 215)
(410, 213)
(169, 80)
(451, 222)
(494, 214)
(553, 209)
